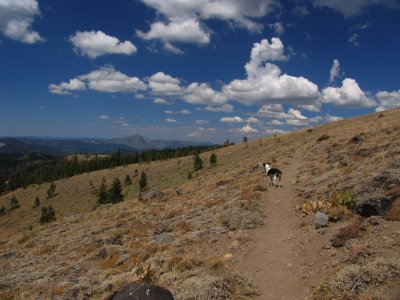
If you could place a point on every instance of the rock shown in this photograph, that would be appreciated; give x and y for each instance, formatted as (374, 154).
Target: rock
(152, 194)
(320, 219)
(323, 137)
(349, 244)
(164, 238)
(228, 256)
(143, 291)
(235, 244)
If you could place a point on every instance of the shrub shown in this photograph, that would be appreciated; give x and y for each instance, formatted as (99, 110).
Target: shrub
(48, 215)
(345, 198)
(14, 203)
(345, 233)
(2, 210)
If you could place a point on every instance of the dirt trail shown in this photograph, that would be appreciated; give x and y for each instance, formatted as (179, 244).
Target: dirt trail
(274, 257)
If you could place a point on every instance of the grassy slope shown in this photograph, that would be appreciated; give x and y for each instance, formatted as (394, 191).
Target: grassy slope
(92, 250)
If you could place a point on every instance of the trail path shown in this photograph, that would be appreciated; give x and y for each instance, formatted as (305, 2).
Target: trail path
(274, 257)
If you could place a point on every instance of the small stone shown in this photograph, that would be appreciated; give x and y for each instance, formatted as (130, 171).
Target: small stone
(320, 219)
(235, 244)
(164, 238)
(349, 244)
(228, 256)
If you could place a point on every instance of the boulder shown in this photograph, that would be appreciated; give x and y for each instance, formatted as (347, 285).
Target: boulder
(142, 291)
(321, 219)
(164, 238)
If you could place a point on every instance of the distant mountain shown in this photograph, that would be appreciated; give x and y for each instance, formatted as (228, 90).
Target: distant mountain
(63, 146)
(141, 143)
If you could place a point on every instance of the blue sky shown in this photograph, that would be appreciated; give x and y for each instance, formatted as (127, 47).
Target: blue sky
(206, 70)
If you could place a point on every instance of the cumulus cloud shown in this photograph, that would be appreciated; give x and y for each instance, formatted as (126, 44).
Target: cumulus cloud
(311, 107)
(16, 18)
(265, 82)
(105, 79)
(227, 108)
(324, 119)
(96, 43)
(354, 39)
(65, 88)
(202, 93)
(238, 12)
(276, 123)
(278, 28)
(262, 52)
(388, 100)
(183, 31)
(273, 131)
(248, 129)
(348, 95)
(335, 71)
(252, 120)
(164, 84)
(104, 117)
(355, 7)
(236, 119)
(201, 122)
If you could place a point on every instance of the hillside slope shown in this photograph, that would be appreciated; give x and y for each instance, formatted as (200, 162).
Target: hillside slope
(195, 235)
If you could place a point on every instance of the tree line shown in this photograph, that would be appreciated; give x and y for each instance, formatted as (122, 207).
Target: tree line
(57, 168)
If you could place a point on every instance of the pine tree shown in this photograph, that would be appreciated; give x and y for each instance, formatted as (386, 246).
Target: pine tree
(102, 196)
(127, 180)
(2, 210)
(213, 159)
(143, 182)
(51, 192)
(14, 203)
(115, 192)
(198, 163)
(245, 141)
(48, 215)
(36, 203)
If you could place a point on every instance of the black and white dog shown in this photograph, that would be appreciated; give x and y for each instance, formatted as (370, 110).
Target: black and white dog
(273, 175)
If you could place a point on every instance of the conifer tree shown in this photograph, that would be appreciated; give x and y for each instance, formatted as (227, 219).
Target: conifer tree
(115, 192)
(198, 163)
(2, 210)
(127, 180)
(51, 192)
(14, 203)
(36, 203)
(143, 182)
(245, 141)
(213, 159)
(102, 196)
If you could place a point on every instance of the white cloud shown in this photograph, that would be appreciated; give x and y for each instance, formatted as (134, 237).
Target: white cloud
(173, 49)
(354, 7)
(278, 28)
(388, 100)
(161, 101)
(170, 120)
(296, 122)
(262, 52)
(202, 93)
(265, 82)
(65, 88)
(276, 123)
(335, 71)
(139, 96)
(252, 120)
(301, 10)
(349, 95)
(183, 31)
(231, 120)
(96, 43)
(163, 84)
(201, 122)
(104, 117)
(105, 79)
(239, 12)
(276, 112)
(311, 107)
(248, 129)
(227, 108)
(16, 18)
(274, 131)
(354, 39)
(181, 112)
(324, 119)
